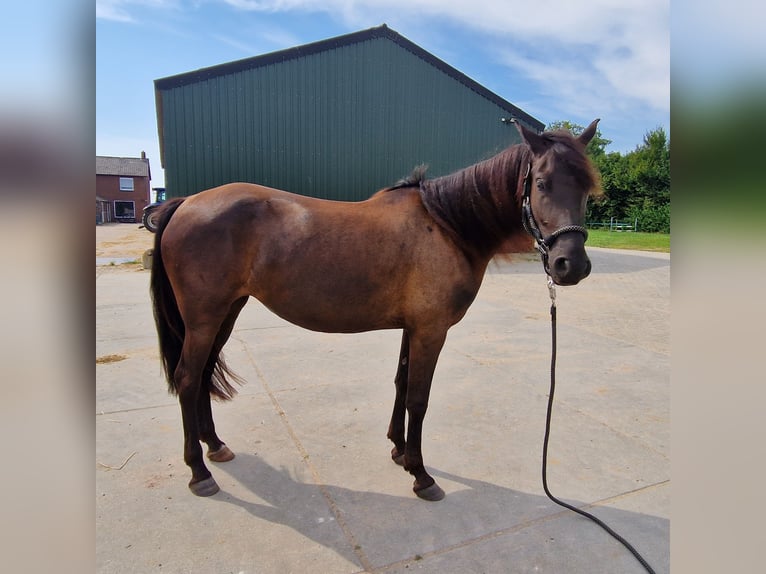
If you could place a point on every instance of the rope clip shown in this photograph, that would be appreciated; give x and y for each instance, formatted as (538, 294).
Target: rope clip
(552, 291)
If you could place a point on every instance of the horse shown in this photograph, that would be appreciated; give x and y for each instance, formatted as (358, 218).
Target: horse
(411, 257)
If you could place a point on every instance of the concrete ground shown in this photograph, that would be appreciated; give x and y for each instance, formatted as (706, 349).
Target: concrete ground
(313, 489)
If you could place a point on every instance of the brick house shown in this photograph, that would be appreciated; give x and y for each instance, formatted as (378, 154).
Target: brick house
(122, 188)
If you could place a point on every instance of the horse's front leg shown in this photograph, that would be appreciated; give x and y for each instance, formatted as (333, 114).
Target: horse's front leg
(396, 427)
(424, 352)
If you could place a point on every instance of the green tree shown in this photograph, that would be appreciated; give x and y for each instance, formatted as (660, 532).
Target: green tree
(650, 166)
(649, 175)
(616, 185)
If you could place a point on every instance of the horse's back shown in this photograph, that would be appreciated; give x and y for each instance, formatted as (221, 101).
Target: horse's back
(249, 204)
(250, 213)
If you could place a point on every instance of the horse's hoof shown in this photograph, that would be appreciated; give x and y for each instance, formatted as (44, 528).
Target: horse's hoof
(432, 493)
(396, 457)
(207, 487)
(223, 454)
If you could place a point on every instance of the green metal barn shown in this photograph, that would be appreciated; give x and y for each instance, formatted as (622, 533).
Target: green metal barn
(337, 119)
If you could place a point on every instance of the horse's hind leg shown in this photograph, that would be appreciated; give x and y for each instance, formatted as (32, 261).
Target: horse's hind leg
(188, 376)
(396, 426)
(217, 449)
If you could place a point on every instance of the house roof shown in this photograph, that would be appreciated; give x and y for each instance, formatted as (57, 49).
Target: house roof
(382, 31)
(124, 166)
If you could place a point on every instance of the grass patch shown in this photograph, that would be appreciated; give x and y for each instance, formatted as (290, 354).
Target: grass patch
(629, 240)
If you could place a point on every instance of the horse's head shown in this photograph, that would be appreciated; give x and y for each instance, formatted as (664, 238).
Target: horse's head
(557, 185)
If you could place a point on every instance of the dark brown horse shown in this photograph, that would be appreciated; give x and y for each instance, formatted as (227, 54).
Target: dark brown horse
(411, 257)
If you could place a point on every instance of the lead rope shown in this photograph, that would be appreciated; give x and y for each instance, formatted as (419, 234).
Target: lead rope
(625, 543)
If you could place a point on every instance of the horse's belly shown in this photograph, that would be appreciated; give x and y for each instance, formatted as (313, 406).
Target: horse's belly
(330, 314)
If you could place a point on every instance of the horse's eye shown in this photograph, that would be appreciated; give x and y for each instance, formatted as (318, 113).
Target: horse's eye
(540, 185)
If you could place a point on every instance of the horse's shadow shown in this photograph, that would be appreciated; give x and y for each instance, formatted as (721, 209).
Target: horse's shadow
(472, 512)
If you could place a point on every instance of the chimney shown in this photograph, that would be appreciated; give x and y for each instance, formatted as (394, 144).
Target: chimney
(143, 155)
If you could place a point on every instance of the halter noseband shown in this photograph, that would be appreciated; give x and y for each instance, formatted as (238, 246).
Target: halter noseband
(543, 244)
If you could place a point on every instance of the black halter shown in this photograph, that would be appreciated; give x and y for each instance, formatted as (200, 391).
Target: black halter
(543, 244)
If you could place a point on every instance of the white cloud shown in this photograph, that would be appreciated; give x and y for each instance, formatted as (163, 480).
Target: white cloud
(112, 10)
(627, 41)
(121, 10)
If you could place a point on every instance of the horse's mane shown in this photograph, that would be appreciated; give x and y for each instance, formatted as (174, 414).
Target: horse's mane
(413, 180)
(480, 205)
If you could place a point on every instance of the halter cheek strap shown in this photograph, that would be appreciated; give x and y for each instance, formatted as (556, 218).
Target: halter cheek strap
(543, 244)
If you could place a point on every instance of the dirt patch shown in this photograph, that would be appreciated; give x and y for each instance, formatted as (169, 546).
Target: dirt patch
(104, 359)
(123, 240)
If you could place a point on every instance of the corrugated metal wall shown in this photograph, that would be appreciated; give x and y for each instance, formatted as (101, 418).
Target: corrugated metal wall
(338, 124)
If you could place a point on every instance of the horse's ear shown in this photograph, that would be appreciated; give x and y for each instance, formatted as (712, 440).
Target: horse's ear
(532, 139)
(588, 132)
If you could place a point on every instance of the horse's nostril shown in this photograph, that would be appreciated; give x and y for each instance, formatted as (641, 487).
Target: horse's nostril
(570, 271)
(561, 265)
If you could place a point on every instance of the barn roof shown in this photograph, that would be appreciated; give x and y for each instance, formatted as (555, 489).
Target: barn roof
(382, 31)
(124, 166)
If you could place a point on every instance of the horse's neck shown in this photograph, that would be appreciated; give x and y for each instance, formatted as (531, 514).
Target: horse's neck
(478, 206)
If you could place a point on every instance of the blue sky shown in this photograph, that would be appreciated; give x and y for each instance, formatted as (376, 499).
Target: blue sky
(555, 59)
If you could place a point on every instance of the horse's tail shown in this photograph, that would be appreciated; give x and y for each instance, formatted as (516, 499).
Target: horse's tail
(170, 324)
(167, 317)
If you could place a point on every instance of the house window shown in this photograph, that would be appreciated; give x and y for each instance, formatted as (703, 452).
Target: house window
(124, 209)
(126, 184)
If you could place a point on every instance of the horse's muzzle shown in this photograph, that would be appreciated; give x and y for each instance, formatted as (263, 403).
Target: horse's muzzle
(569, 269)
